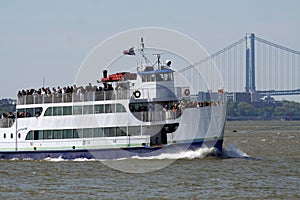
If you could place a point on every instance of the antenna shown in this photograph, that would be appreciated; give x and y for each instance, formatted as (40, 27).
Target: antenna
(142, 43)
(158, 60)
(143, 52)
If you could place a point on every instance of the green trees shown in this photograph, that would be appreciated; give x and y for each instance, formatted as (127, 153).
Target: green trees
(283, 109)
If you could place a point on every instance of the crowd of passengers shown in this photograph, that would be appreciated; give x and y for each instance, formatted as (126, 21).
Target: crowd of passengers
(174, 107)
(65, 90)
(146, 111)
(8, 115)
(7, 119)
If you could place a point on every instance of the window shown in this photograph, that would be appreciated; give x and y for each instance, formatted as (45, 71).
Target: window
(11, 135)
(57, 134)
(78, 132)
(99, 109)
(48, 112)
(40, 135)
(121, 131)
(67, 133)
(47, 134)
(88, 109)
(67, 110)
(38, 111)
(109, 108)
(21, 113)
(109, 132)
(120, 108)
(88, 132)
(57, 111)
(4, 135)
(75, 133)
(134, 130)
(77, 110)
(98, 132)
(29, 136)
(29, 112)
(19, 135)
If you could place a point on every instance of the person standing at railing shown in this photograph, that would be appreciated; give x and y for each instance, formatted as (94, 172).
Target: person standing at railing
(89, 92)
(165, 113)
(150, 112)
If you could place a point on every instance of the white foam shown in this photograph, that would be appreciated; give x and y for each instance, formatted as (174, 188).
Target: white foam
(59, 159)
(189, 154)
(231, 151)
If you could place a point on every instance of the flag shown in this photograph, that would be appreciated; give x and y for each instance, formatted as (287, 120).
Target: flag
(129, 52)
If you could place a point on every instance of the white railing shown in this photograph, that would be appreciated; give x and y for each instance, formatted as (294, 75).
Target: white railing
(6, 122)
(146, 93)
(154, 116)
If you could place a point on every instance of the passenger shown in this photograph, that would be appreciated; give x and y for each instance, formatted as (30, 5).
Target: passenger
(54, 91)
(59, 90)
(64, 90)
(39, 91)
(19, 93)
(110, 87)
(28, 114)
(165, 112)
(89, 87)
(74, 89)
(48, 91)
(10, 115)
(43, 91)
(4, 115)
(68, 90)
(37, 113)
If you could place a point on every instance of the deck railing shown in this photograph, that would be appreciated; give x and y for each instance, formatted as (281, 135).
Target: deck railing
(146, 93)
(6, 122)
(154, 116)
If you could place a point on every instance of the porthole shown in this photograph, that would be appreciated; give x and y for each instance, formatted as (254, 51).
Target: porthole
(11, 135)
(4, 135)
(19, 135)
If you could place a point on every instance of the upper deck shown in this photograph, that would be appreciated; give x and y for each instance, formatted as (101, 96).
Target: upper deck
(96, 95)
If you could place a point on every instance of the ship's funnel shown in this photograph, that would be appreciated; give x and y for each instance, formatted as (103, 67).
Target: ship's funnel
(105, 73)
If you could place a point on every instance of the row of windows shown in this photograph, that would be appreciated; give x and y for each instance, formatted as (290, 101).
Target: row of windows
(11, 135)
(84, 109)
(29, 112)
(83, 133)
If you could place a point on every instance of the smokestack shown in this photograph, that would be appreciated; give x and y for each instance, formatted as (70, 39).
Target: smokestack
(105, 73)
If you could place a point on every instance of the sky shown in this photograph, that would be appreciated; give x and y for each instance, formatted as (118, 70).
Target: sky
(46, 41)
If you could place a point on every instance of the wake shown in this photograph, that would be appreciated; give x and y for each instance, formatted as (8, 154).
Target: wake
(229, 151)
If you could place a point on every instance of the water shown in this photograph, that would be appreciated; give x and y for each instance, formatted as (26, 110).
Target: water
(264, 164)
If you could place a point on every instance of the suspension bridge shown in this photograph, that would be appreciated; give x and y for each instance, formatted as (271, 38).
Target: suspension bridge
(257, 66)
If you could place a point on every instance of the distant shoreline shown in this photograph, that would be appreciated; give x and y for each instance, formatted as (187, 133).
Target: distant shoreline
(277, 118)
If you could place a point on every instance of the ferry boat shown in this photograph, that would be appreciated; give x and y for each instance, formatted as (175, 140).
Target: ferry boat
(129, 113)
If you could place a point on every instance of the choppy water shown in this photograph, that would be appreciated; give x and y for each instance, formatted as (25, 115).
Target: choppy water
(265, 165)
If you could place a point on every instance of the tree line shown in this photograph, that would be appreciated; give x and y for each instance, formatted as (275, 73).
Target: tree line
(263, 110)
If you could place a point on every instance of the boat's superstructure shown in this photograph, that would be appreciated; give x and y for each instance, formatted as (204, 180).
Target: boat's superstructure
(129, 113)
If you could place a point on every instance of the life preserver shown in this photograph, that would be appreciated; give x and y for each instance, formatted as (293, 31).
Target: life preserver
(186, 92)
(137, 94)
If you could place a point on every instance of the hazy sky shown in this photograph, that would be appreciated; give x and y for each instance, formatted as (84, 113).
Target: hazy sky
(51, 38)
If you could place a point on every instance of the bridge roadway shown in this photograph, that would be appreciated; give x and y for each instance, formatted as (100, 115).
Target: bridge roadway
(278, 92)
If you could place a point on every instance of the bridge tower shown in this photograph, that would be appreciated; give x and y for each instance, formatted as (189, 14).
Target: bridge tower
(250, 62)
